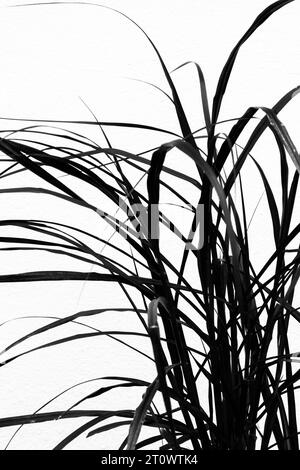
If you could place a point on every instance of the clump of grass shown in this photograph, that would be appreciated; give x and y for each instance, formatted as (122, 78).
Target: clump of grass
(232, 312)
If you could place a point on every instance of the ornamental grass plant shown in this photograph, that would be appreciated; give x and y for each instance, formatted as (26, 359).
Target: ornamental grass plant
(214, 324)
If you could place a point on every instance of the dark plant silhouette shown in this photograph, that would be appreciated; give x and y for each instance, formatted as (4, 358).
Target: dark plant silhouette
(233, 310)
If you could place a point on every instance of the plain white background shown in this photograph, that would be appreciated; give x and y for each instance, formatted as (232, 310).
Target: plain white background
(52, 58)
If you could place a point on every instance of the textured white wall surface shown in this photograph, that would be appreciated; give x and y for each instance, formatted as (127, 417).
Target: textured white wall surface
(58, 60)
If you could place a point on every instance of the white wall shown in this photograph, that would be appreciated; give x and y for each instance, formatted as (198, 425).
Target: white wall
(51, 56)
